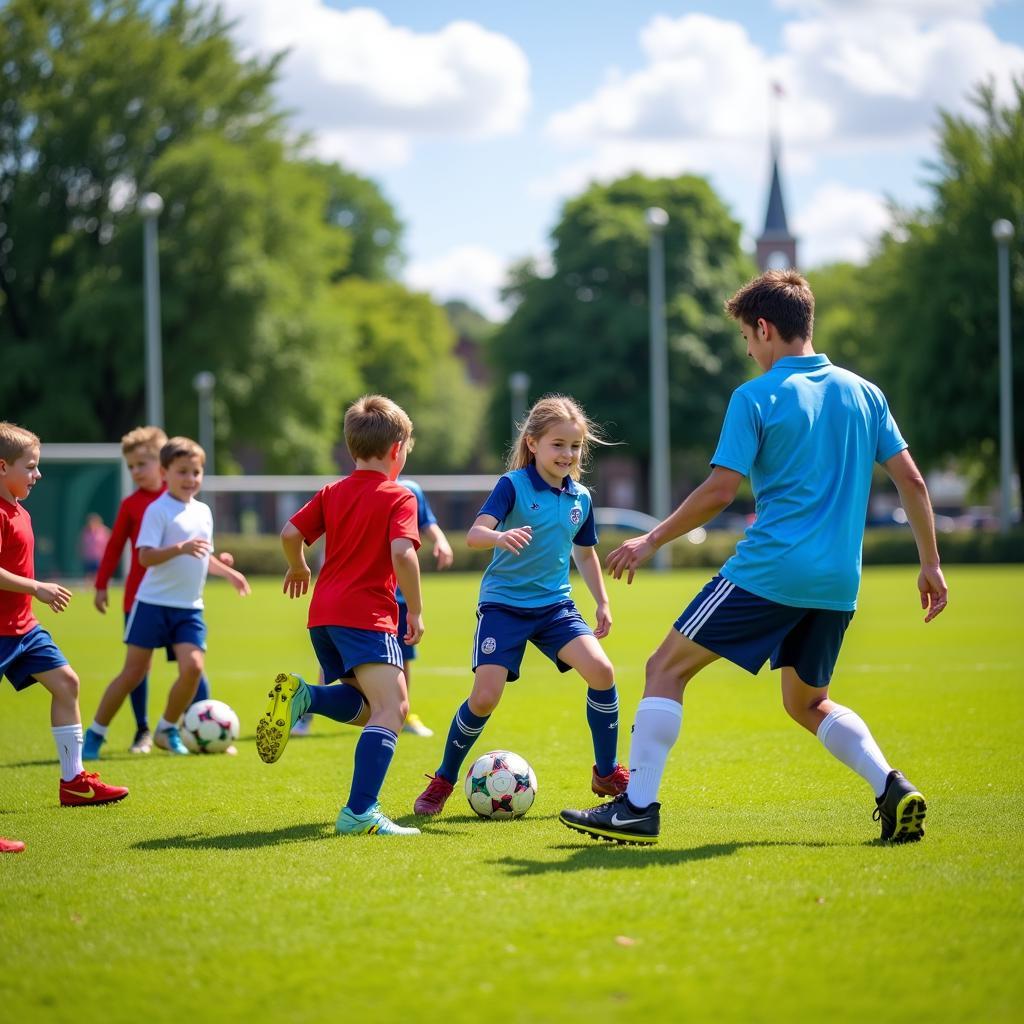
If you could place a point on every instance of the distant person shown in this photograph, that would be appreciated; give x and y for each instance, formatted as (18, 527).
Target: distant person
(369, 521)
(175, 546)
(807, 434)
(27, 651)
(537, 517)
(92, 542)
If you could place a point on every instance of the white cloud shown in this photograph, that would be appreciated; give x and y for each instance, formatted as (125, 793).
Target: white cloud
(368, 88)
(839, 223)
(926, 10)
(472, 273)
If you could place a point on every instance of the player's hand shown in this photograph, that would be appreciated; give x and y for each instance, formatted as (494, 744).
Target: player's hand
(443, 556)
(628, 557)
(603, 625)
(99, 599)
(226, 558)
(413, 629)
(241, 584)
(296, 581)
(54, 595)
(934, 593)
(514, 540)
(198, 547)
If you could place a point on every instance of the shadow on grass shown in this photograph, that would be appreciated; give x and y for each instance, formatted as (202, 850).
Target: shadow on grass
(241, 840)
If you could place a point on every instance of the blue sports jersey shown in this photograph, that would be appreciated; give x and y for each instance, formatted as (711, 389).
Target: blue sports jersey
(559, 517)
(808, 434)
(424, 517)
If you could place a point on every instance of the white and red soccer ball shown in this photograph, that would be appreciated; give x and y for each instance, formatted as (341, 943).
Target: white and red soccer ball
(501, 784)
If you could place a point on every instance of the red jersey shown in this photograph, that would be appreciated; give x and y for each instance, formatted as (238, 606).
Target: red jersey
(126, 531)
(361, 516)
(17, 547)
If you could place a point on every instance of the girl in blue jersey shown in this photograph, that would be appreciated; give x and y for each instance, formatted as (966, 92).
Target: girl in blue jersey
(536, 517)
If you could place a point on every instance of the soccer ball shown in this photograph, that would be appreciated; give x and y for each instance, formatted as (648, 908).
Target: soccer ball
(501, 784)
(209, 727)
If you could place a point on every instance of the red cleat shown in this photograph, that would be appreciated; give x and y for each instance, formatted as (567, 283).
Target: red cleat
(11, 845)
(612, 784)
(434, 797)
(88, 788)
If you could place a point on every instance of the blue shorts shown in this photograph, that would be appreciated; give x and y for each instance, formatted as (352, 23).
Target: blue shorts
(159, 625)
(502, 633)
(408, 653)
(22, 657)
(171, 656)
(342, 649)
(748, 630)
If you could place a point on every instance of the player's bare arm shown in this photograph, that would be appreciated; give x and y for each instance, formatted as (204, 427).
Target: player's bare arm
(589, 565)
(233, 576)
(443, 555)
(407, 571)
(197, 547)
(296, 579)
(482, 534)
(52, 594)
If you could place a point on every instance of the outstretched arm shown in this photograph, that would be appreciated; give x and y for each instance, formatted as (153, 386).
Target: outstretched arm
(233, 576)
(443, 556)
(918, 505)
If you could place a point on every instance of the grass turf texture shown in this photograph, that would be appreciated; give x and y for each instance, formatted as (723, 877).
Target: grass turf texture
(218, 891)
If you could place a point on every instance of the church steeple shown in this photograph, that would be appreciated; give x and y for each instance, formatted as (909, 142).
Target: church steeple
(776, 248)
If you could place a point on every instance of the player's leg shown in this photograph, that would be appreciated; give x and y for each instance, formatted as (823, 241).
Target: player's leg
(385, 690)
(143, 741)
(136, 666)
(190, 658)
(585, 654)
(414, 725)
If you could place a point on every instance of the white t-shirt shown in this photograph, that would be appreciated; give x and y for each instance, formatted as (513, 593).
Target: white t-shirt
(178, 582)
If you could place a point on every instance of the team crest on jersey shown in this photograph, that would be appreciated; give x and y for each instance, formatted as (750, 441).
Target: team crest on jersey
(489, 646)
(576, 515)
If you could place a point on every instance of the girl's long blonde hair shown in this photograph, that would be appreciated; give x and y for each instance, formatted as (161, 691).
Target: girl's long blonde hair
(546, 413)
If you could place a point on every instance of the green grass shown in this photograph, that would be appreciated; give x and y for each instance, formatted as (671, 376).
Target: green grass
(218, 892)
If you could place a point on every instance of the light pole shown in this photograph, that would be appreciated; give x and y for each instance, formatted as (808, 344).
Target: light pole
(150, 207)
(657, 221)
(1002, 232)
(204, 382)
(518, 386)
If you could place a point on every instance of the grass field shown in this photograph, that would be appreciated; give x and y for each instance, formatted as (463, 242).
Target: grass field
(218, 891)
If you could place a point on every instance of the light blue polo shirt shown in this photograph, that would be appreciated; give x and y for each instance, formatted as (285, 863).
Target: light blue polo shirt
(808, 434)
(560, 517)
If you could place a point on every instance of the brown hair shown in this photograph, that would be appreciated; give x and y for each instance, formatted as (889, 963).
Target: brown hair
(782, 297)
(15, 441)
(546, 413)
(150, 438)
(177, 447)
(373, 424)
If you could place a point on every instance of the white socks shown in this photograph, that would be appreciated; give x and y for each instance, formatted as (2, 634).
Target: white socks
(100, 730)
(69, 749)
(655, 731)
(845, 736)
(164, 724)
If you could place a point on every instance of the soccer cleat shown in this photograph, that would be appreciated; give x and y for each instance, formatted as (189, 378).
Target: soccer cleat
(303, 727)
(169, 739)
(414, 724)
(617, 821)
(374, 822)
(91, 743)
(612, 784)
(11, 845)
(901, 810)
(89, 788)
(434, 797)
(142, 744)
(289, 701)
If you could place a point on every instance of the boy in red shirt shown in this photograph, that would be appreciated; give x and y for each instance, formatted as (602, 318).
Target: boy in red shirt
(372, 537)
(27, 651)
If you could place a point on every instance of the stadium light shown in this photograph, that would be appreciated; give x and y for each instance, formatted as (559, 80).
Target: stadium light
(204, 383)
(150, 208)
(657, 221)
(1002, 232)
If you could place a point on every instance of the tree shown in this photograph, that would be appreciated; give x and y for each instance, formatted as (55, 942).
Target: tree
(584, 329)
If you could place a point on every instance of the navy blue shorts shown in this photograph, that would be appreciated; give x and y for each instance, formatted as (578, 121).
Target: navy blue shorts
(748, 630)
(171, 656)
(342, 649)
(22, 657)
(502, 633)
(408, 653)
(159, 625)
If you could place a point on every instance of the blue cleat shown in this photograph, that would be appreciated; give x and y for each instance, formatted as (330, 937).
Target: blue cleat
(289, 701)
(374, 822)
(91, 743)
(169, 739)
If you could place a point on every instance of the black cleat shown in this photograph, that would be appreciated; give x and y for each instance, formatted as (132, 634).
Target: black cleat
(618, 821)
(901, 809)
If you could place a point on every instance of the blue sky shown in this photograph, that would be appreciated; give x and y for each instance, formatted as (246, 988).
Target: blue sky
(479, 119)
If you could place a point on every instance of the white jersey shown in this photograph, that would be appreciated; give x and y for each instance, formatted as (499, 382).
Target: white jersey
(178, 582)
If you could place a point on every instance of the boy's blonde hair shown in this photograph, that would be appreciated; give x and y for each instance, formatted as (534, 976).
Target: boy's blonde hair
(373, 424)
(177, 447)
(15, 441)
(150, 438)
(546, 413)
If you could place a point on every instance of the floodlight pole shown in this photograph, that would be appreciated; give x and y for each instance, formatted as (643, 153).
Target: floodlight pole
(150, 207)
(1002, 232)
(519, 387)
(204, 383)
(660, 483)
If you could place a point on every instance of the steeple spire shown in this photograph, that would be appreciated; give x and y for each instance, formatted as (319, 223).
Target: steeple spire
(776, 248)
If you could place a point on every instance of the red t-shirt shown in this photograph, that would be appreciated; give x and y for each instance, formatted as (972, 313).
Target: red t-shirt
(126, 531)
(361, 516)
(17, 546)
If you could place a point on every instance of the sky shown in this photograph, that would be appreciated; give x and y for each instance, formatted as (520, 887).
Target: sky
(479, 120)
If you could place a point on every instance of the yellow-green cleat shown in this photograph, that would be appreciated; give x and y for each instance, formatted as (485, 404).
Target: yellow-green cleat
(374, 822)
(289, 700)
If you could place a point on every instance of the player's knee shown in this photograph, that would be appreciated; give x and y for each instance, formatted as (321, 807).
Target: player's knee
(601, 675)
(484, 700)
(68, 685)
